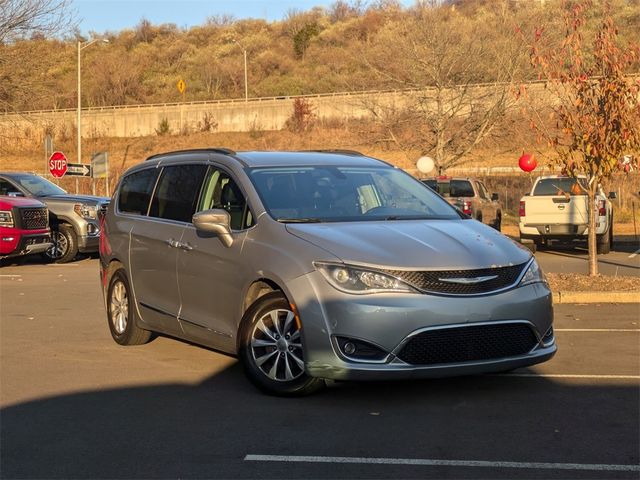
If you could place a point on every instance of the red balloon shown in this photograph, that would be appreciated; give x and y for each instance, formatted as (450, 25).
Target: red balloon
(527, 162)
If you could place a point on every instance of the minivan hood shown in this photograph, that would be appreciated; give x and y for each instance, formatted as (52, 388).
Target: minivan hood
(414, 244)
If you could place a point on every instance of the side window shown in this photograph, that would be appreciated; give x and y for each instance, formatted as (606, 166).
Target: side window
(6, 187)
(221, 191)
(177, 192)
(135, 191)
(482, 191)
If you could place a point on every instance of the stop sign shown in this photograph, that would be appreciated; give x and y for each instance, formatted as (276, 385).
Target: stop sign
(58, 164)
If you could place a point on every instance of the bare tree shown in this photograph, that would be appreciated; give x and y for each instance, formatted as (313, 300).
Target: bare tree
(435, 58)
(23, 18)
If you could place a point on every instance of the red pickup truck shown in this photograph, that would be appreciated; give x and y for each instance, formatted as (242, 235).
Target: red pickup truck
(24, 226)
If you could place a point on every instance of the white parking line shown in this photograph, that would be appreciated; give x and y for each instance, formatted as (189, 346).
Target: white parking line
(601, 467)
(596, 329)
(634, 254)
(567, 375)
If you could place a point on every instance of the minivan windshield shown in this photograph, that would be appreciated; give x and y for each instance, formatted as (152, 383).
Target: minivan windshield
(38, 186)
(344, 194)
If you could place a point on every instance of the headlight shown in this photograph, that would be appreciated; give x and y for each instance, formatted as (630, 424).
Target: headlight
(360, 281)
(534, 274)
(6, 218)
(86, 211)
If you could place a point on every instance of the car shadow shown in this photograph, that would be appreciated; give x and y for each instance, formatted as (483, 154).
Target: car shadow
(206, 429)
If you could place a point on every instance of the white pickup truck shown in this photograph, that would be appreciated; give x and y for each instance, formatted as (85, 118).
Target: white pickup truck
(557, 209)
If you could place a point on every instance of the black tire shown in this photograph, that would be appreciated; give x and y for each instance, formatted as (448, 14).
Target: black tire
(65, 245)
(498, 222)
(250, 352)
(124, 329)
(603, 242)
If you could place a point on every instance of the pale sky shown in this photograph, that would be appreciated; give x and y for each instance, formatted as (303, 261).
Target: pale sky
(113, 15)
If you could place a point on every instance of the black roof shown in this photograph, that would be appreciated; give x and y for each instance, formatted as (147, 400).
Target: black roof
(281, 159)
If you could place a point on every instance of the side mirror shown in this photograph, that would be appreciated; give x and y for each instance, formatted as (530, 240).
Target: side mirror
(215, 221)
(494, 197)
(15, 194)
(613, 195)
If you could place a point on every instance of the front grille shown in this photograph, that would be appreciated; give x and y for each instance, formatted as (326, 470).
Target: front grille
(34, 218)
(434, 281)
(468, 344)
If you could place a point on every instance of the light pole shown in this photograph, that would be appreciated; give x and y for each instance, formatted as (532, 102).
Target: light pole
(244, 51)
(82, 46)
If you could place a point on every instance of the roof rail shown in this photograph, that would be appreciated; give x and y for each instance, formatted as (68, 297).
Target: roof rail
(343, 152)
(222, 150)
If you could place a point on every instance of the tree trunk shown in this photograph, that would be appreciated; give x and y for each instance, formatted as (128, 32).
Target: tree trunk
(593, 248)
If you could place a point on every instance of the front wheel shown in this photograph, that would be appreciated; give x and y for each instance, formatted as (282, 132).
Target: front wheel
(271, 348)
(64, 246)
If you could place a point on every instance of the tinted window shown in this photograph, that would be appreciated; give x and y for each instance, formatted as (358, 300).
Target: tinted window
(460, 188)
(560, 186)
(6, 187)
(177, 192)
(221, 191)
(432, 184)
(135, 191)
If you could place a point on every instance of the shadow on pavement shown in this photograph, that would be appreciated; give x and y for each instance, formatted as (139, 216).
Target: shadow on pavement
(205, 430)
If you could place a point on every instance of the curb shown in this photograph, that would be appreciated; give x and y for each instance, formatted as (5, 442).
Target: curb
(596, 297)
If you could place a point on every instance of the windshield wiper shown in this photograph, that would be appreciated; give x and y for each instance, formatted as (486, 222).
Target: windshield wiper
(300, 220)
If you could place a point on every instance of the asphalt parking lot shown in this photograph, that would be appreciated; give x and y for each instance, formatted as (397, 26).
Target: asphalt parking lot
(74, 404)
(623, 260)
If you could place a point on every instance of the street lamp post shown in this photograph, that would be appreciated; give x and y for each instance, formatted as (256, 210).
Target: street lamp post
(246, 86)
(82, 46)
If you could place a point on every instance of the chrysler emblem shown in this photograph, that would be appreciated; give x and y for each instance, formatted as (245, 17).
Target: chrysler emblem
(468, 280)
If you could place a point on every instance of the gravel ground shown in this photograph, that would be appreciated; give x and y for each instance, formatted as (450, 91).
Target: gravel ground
(577, 282)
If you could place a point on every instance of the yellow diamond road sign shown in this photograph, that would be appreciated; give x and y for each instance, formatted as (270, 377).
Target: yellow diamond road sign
(181, 85)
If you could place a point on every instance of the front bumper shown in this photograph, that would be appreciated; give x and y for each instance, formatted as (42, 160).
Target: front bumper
(88, 243)
(387, 320)
(26, 245)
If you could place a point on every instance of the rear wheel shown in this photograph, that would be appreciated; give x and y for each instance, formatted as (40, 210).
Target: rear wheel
(271, 348)
(603, 242)
(498, 222)
(121, 314)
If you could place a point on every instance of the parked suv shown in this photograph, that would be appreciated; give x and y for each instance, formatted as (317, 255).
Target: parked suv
(316, 265)
(24, 227)
(74, 218)
(470, 196)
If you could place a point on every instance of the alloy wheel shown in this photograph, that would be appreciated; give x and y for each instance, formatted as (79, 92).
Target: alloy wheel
(276, 346)
(60, 245)
(119, 304)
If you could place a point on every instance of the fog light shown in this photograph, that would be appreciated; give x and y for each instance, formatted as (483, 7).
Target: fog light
(92, 229)
(356, 349)
(349, 348)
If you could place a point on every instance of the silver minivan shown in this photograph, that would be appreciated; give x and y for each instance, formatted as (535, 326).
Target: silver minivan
(316, 265)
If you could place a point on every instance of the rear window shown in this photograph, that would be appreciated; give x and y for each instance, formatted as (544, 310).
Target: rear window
(559, 186)
(451, 188)
(135, 191)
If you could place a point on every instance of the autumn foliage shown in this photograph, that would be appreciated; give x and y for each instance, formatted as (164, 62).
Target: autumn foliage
(595, 104)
